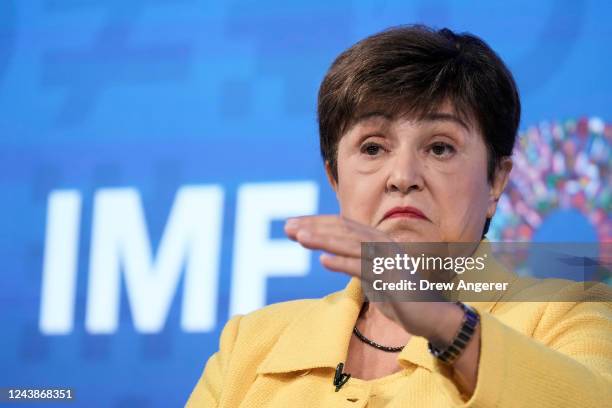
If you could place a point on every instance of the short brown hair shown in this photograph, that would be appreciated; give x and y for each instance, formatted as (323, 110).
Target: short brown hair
(412, 70)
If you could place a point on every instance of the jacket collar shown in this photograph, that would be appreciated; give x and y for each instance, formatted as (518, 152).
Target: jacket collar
(320, 336)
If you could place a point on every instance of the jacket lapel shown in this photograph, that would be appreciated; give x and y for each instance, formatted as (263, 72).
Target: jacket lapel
(320, 336)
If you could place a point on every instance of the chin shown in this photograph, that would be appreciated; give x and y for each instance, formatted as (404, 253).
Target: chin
(405, 235)
(410, 230)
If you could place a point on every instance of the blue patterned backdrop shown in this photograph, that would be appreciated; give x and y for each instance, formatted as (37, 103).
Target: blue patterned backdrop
(151, 149)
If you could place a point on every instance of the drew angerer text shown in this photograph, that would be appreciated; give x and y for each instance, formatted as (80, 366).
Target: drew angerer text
(424, 284)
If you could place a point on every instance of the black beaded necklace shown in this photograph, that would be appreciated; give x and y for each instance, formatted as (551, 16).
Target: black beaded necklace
(372, 343)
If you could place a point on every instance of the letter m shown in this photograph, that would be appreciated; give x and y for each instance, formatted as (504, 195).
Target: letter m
(120, 245)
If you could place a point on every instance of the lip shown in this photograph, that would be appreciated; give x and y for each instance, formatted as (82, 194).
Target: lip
(410, 212)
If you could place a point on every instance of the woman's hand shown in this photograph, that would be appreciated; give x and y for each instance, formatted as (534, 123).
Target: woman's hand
(341, 239)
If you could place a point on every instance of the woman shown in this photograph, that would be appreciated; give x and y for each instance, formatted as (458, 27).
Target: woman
(417, 128)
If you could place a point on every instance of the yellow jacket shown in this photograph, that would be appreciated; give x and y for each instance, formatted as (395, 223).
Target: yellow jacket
(555, 354)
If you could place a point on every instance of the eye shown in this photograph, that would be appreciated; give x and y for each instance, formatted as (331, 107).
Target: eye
(371, 149)
(441, 149)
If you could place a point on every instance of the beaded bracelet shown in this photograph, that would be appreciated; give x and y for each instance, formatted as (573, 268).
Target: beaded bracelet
(450, 354)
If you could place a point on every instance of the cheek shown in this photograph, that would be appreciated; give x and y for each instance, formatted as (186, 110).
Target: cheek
(358, 195)
(356, 200)
(462, 200)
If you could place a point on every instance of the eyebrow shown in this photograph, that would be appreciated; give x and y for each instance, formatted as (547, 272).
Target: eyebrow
(445, 117)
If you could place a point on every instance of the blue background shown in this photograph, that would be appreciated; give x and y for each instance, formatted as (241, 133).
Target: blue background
(156, 94)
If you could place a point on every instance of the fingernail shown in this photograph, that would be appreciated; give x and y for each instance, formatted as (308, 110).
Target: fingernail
(292, 223)
(324, 257)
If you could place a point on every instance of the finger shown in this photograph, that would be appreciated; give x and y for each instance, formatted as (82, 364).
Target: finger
(336, 263)
(295, 223)
(337, 229)
(366, 233)
(318, 218)
(334, 244)
(336, 225)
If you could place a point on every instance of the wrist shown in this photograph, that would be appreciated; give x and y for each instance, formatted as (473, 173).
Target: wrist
(451, 318)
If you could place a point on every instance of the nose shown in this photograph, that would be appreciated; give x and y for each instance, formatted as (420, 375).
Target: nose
(405, 174)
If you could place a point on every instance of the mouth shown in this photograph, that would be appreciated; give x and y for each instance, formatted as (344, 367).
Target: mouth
(405, 212)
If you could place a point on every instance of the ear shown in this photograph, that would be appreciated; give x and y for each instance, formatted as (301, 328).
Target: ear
(502, 175)
(330, 177)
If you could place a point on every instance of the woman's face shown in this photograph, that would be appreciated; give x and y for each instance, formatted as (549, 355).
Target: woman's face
(437, 165)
